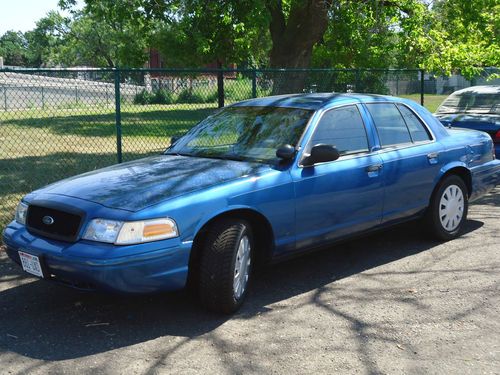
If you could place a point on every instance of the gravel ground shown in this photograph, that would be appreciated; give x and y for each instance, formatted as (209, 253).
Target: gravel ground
(394, 302)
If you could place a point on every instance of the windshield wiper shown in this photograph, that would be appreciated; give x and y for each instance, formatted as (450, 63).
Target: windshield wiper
(178, 154)
(209, 156)
(223, 157)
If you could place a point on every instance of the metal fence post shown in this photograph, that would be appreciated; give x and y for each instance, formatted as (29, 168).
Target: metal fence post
(76, 95)
(5, 97)
(421, 87)
(397, 83)
(220, 88)
(118, 116)
(254, 83)
(43, 99)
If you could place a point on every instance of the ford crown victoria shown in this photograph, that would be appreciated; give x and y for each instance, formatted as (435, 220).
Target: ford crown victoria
(257, 181)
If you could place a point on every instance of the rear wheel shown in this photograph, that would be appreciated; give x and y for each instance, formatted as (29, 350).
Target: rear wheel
(448, 209)
(226, 265)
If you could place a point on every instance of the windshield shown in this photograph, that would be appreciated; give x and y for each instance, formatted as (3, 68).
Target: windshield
(471, 102)
(244, 133)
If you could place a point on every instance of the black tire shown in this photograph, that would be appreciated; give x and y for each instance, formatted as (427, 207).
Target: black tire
(434, 220)
(217, 265)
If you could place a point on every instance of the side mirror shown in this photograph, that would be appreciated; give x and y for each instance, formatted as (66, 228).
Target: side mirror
(321, 153)
(285, 152)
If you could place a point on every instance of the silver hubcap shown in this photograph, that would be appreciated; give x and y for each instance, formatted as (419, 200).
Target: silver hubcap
(241, 267)
(451, 207)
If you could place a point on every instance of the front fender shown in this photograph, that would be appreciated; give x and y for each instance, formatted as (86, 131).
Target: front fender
(270, 196)
(226, 210)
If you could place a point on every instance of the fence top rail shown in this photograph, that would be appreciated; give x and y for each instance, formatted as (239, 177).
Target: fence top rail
(202, 70)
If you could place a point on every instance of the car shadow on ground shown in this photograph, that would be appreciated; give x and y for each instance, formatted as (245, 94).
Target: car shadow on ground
(42, 320)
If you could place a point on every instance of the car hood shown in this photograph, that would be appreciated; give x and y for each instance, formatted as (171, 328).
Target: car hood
(138, 184)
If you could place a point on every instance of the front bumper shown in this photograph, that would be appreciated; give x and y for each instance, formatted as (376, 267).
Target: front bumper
(146, 268)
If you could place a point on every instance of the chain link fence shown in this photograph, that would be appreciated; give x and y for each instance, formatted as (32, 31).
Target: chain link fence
(58, 123)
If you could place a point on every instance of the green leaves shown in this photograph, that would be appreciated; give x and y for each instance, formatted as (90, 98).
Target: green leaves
(201, 32)
(443, 36)
(44, 43)
(102, 43)
(458, 36)
(13, 48)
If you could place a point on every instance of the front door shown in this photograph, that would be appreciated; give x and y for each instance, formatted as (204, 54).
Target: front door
(337, 198)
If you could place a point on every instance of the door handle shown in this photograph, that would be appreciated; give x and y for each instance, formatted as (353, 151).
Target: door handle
(374, 168)
(433, 157)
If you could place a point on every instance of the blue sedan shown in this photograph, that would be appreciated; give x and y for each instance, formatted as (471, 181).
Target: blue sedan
(258, 181)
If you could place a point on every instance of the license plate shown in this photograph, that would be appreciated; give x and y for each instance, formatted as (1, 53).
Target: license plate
(31, 264)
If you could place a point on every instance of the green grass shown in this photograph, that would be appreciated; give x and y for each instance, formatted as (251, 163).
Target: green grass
(431, 102)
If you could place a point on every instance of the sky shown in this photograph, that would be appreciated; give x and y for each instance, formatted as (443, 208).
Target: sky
(21, 15)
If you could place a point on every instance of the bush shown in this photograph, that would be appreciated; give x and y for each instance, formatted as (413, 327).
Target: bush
(143, 97)
(238, 89)
(188, 96)
(211, 97)
(162, 96)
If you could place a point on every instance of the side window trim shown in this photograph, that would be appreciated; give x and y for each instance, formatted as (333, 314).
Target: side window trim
(318, 122)
(406, 124)
(427, 127)
(379, 147)
(398, 105)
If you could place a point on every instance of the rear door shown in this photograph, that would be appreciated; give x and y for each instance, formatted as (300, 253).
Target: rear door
(410, 156)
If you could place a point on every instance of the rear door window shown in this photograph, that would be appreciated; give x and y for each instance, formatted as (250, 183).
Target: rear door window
(417, 130)
(391, 127)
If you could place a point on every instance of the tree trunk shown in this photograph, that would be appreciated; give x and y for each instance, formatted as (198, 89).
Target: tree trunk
(294, 39)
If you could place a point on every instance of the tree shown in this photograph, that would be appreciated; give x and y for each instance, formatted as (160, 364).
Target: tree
(464, 37)
(440, 35)
(96, 43)
(295, 30)
(46, 40)
(219, 32)
(360, 34)
(13, 48)
(108, 33)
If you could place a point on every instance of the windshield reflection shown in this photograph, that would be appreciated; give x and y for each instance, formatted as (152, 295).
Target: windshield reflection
(244, 133)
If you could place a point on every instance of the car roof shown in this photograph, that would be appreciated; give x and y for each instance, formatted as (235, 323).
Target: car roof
(493, 89)
(312, 101)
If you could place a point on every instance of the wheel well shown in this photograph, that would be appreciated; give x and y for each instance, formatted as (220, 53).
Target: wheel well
(464, 174)
(263, 236)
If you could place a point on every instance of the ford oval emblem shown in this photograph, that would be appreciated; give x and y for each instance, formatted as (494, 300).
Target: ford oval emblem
(48, 220)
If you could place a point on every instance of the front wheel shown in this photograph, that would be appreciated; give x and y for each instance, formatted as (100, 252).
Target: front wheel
(448, 208)
(226, 265)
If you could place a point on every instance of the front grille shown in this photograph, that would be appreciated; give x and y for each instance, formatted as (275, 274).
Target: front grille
(54, 223)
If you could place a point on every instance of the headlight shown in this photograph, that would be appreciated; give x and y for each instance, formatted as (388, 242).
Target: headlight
(102, 230)
(21, 212)
(133, 232)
